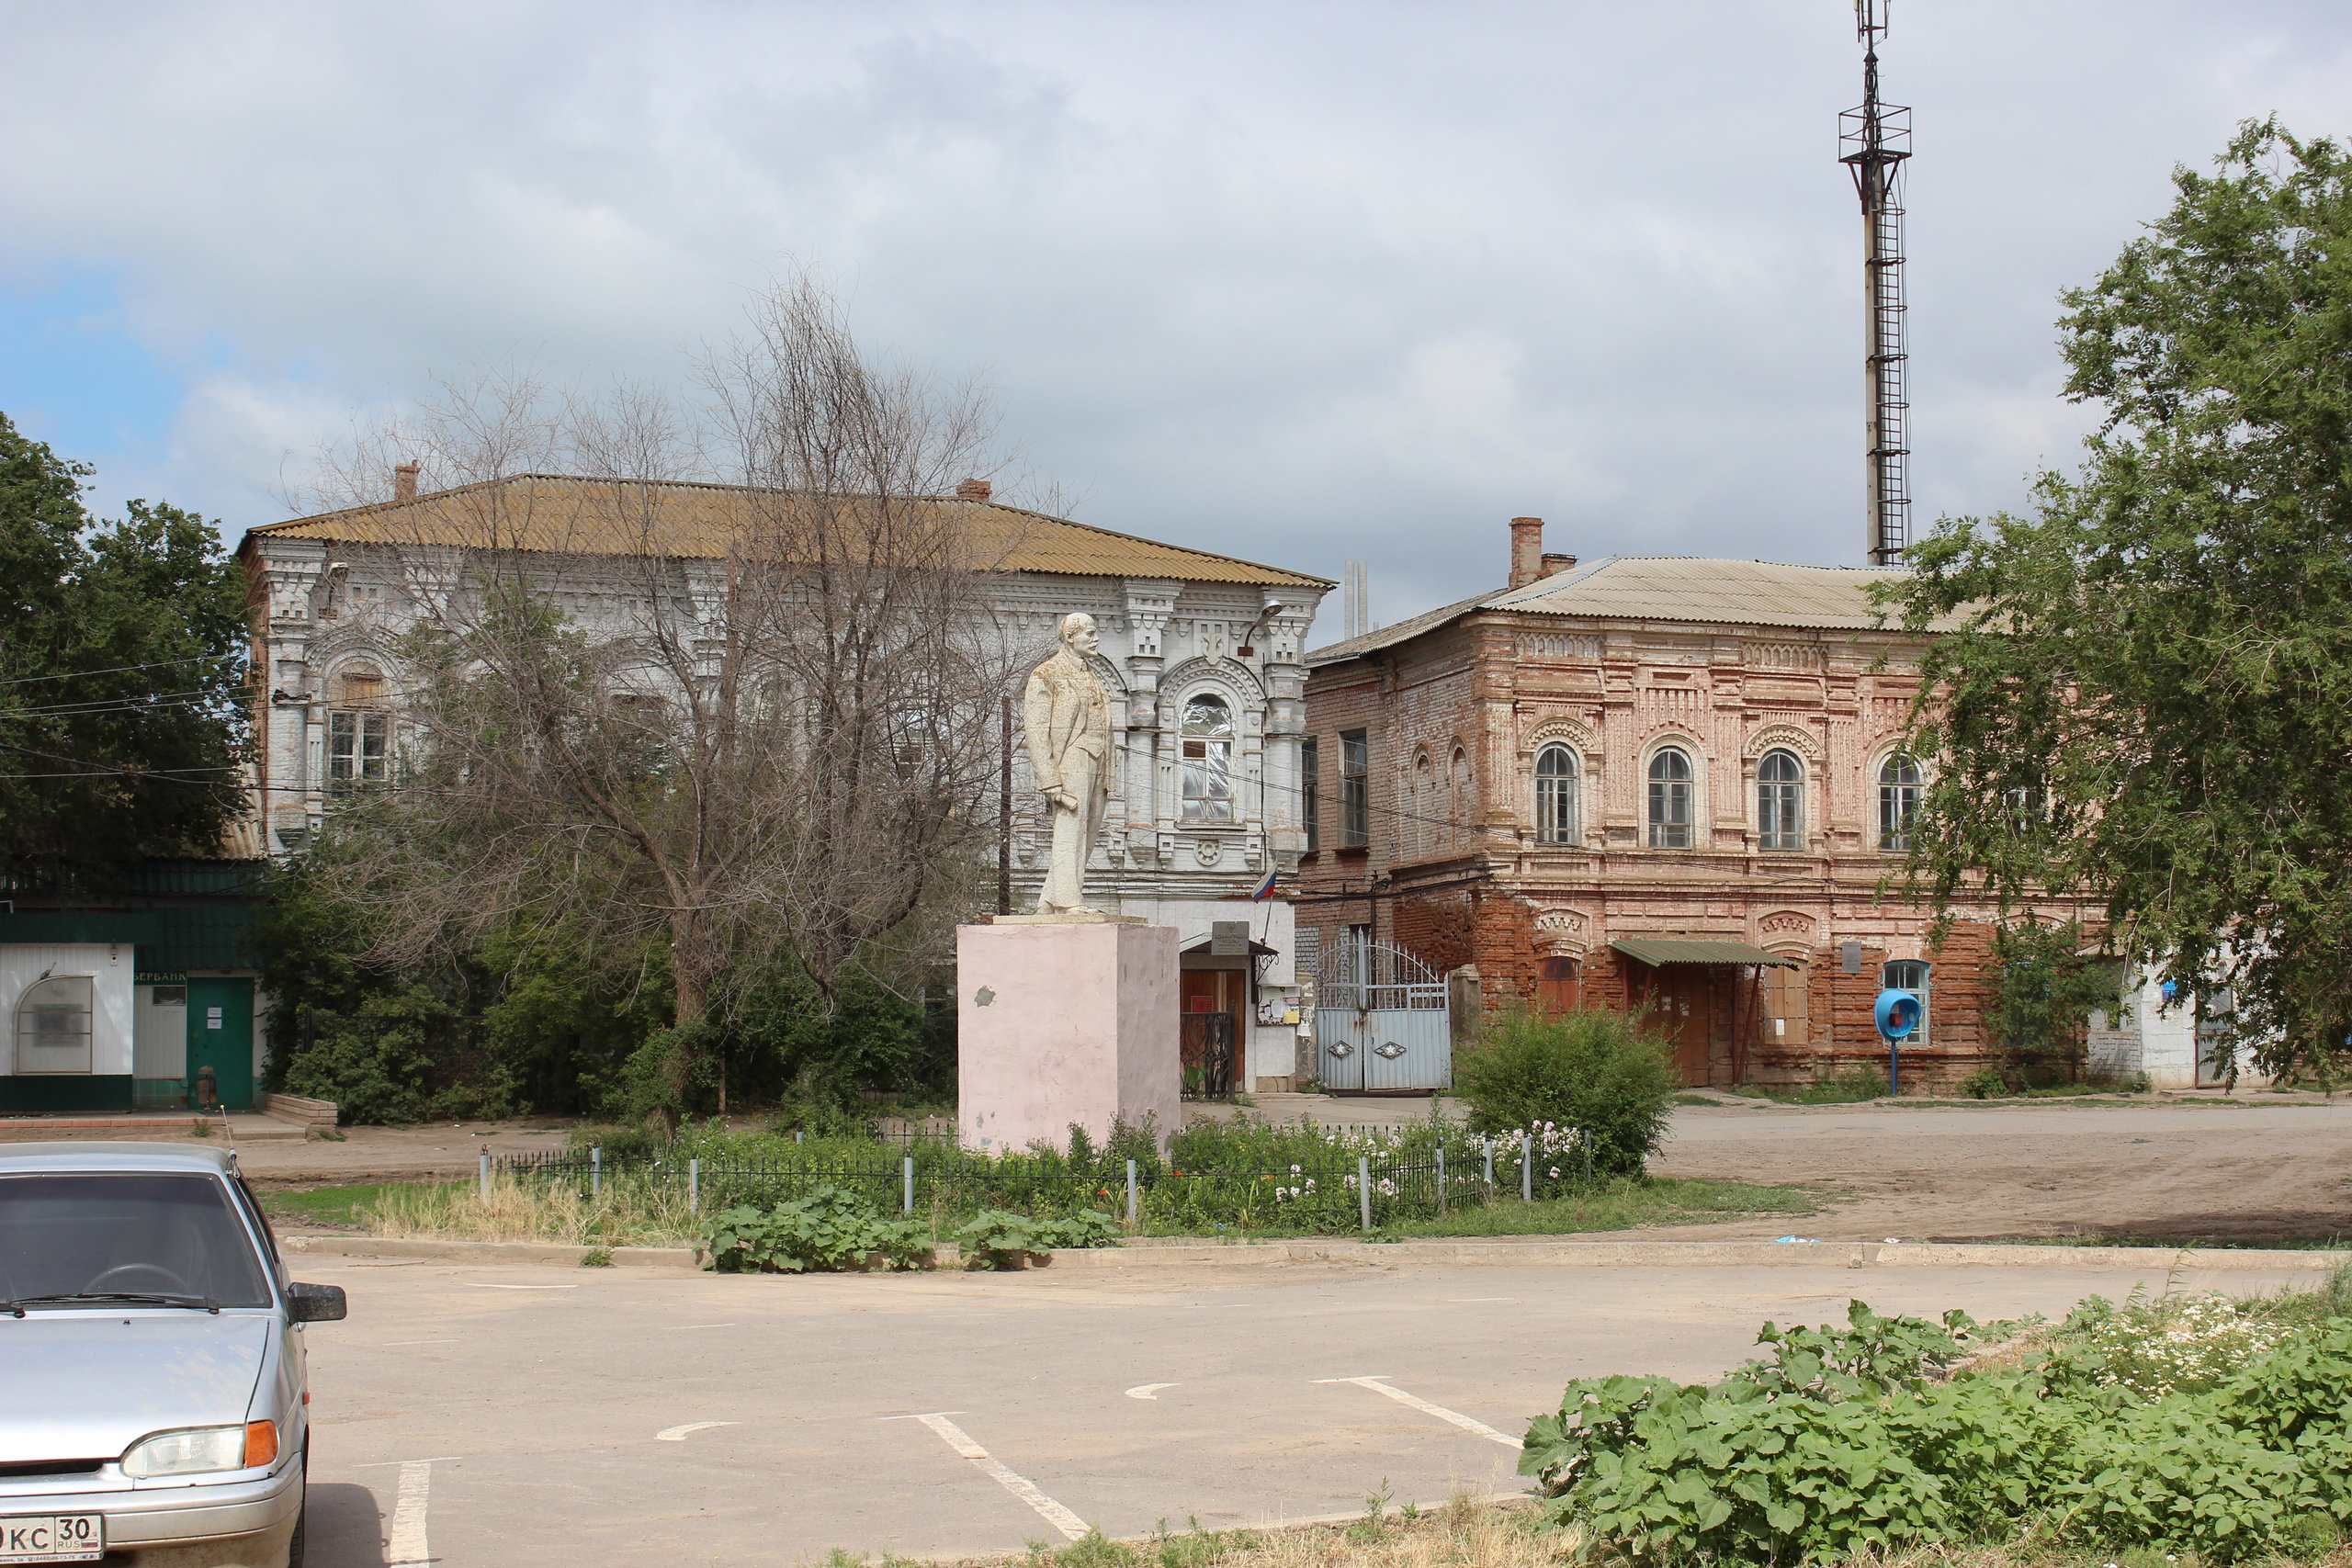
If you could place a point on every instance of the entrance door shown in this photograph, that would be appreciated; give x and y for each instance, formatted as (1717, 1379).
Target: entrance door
(221, 1036)
(1211, 1035)
(1684, 997)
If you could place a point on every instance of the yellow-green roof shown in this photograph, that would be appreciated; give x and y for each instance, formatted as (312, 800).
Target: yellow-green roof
(566, 514)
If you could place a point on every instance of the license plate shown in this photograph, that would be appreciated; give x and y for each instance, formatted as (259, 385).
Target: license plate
(52, 1538)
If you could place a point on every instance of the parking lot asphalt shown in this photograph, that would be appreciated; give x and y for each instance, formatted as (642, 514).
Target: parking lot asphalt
(516, 1416)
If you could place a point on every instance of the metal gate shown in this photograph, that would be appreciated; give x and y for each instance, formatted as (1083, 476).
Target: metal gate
(1206, 1044)
(1381, 1022)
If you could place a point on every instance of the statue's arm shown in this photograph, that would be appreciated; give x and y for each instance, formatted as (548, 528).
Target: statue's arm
(1038, 717)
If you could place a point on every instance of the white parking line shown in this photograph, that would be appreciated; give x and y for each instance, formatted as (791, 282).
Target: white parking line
(1468, 1423)
(1053, 1513)
(408, 1547)
(480, 1285)
(678, 1434)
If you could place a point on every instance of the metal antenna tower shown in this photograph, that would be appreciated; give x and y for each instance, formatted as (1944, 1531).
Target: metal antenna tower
(1876, 140)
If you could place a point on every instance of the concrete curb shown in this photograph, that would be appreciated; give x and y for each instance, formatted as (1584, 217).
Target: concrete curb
(540, 1252)
(1706, 1254)
(1544, 1251)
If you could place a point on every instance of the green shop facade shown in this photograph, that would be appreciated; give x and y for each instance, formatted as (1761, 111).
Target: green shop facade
(138, 998)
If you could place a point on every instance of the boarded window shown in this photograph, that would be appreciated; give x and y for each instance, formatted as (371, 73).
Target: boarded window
(1785, 1007)
(1559, 987)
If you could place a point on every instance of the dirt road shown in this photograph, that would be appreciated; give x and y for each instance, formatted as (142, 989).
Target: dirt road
(2184, 1170)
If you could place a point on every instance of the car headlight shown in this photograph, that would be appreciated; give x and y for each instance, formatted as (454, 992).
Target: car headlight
(199, 1448)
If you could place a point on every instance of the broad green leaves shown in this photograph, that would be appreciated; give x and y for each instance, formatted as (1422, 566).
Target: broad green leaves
(1848, 1441)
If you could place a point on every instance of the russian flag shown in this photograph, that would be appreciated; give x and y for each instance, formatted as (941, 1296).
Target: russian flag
(1265, 888)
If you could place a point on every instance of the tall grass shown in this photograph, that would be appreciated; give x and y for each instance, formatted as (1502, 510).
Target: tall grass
(631, 1211)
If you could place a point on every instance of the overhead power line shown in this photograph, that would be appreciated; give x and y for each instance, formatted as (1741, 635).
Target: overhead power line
(118, 669)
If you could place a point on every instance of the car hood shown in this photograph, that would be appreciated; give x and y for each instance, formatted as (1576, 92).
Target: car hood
(86, 1385)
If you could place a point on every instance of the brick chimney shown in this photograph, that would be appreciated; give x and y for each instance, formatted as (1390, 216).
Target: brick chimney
(1554, 565)
(404, 482)
(975, 490)
(1526, 550)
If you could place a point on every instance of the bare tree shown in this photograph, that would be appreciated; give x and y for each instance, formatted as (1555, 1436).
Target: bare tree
(732, 692)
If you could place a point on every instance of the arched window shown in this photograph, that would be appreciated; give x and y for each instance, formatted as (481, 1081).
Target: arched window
(1780, 801)
(1899, 788)
(1557, 818)
(359, 729)
(1670, 799)
(53, 1025)
(1421, 805)
(1208, 760)
(1461, 798)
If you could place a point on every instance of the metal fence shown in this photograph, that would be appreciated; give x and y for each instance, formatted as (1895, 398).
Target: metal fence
(1345, 1189)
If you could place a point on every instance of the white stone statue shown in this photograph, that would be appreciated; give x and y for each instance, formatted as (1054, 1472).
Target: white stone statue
(1069, 717)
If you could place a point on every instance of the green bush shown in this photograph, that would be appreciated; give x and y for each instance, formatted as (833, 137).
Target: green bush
(1983, 1084)
(1845, 1443)
(994, 1237)
(1589, 1069)
(829, 1229)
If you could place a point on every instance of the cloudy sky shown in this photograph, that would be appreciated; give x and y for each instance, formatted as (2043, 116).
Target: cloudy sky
(1306, 282)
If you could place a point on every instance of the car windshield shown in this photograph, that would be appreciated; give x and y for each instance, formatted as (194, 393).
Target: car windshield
(107, 1235)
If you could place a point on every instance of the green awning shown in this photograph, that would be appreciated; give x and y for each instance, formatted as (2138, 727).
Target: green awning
(1675, 950)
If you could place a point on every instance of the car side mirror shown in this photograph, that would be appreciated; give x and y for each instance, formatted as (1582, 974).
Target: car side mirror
(315, 1304)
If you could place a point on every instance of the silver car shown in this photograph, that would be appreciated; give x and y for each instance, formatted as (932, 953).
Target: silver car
(153, 1391)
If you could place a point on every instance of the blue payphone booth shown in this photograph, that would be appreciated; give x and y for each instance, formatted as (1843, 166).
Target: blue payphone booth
(1898, 1012)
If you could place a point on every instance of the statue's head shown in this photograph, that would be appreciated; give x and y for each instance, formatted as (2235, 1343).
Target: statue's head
(1079, 634)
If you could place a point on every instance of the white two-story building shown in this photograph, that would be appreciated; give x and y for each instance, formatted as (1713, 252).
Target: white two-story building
(1203, 654)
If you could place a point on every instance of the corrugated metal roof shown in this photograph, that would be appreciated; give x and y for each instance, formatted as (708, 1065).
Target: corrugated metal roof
(1694, 588)
(565, 514)
(1686, 950)
(1666, 588)
(167, 939)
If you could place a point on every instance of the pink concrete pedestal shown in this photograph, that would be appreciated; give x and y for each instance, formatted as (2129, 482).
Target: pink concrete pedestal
(1065, 1024)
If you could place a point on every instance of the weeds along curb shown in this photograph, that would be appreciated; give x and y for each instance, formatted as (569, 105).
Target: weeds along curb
(1159, 1254)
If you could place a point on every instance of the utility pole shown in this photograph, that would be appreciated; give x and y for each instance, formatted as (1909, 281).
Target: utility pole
(1876, 140)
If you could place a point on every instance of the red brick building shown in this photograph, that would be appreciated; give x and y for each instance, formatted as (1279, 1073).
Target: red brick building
(1655, 782)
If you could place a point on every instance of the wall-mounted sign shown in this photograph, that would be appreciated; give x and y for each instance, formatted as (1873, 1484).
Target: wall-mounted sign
(160, 977)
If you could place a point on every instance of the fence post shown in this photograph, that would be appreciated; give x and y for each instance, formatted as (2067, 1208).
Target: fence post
(693, 1185)
(1527, 1167)
(908, 1171)
(1131, 1194)
(1488, 1145)
(597, 1170)
(1364, 1187)
(485, 1177)
(1440, 1180)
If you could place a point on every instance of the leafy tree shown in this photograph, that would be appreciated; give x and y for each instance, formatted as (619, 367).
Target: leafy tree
(122, 660)
(2143, 692)
(2044, 991)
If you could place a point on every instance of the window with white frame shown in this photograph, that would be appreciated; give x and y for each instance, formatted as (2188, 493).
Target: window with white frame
(53, 1025)
(1899, 789)
(1780, 801)
(1669, 814)
(1558, 817)
(1207, 743)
